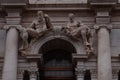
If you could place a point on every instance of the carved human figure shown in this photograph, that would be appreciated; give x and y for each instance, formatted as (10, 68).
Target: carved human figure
(38, 28)
(24, 36)
(76, 30)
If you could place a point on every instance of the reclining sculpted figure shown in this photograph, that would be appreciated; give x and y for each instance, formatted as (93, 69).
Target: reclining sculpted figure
(76, 29)
(37, 29)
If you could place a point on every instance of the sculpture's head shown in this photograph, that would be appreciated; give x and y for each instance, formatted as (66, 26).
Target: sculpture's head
(71, 17)
(46, 15)
(40, 15)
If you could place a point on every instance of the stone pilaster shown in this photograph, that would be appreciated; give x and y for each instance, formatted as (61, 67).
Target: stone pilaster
(79, 70)
(104, 53)
(33, 75)
(33, 71)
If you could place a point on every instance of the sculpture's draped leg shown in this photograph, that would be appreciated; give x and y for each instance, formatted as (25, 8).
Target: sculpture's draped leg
(104, 55)
(11, 52)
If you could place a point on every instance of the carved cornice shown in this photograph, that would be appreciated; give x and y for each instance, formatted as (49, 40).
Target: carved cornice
(9, 3)
(96, 4)
(57, 7)
(79, 56)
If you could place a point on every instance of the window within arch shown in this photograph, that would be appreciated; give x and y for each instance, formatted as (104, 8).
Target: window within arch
(57, 61)
(58, 65)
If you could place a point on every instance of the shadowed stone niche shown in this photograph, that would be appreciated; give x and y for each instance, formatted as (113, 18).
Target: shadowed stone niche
(2, 42)
(57, 44)
(115, 42)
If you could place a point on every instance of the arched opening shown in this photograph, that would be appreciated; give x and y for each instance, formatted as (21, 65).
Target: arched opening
(57, 60)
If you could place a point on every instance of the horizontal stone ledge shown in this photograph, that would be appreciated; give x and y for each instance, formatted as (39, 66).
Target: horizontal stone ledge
(102, 4)
(58, 8)
(13, 4)
(34, 57)
(79, 56)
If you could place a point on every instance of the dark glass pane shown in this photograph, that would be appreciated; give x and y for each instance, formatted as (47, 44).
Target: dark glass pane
(57, 65)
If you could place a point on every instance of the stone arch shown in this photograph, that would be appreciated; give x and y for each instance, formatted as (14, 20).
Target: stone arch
(57, 55)
(78, 46)
(57, 43)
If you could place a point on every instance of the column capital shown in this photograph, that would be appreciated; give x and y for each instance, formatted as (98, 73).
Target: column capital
(107, 26)
(7, 27)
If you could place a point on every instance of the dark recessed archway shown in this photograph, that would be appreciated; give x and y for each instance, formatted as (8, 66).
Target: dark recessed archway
(57, 60)
(57, 44)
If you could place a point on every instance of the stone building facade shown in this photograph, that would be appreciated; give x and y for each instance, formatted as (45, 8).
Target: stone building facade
(55, 55)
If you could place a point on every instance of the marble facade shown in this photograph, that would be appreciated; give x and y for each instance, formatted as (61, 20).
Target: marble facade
(104, 22)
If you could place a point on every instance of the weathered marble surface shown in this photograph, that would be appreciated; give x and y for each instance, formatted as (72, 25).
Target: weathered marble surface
(104, 55)
(115, 42)
(10, 60)
(2, 42)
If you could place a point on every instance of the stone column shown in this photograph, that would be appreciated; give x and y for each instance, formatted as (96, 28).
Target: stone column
(79, 71)
(11, 52)
(104, 54)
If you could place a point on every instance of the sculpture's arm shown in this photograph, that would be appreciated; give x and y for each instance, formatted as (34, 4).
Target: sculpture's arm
(88, 29)
(85, 27)
(48, 22)
(32, 25)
